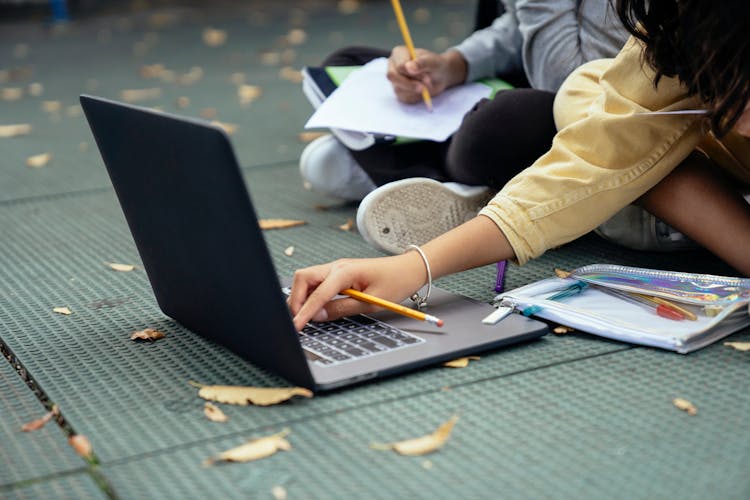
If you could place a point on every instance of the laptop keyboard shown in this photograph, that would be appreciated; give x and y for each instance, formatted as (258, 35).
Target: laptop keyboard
(352, 338)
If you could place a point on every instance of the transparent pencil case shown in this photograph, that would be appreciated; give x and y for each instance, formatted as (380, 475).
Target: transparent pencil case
(718, 303)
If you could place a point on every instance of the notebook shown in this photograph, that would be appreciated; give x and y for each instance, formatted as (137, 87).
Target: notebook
(192, 219)
(357, 104)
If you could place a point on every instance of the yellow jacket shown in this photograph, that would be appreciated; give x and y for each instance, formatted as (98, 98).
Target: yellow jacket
(606, 154)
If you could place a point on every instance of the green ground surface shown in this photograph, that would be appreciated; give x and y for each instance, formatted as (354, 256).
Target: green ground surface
(569, 416)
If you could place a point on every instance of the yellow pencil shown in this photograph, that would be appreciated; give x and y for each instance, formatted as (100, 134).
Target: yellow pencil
(392, 306)
(409, 45)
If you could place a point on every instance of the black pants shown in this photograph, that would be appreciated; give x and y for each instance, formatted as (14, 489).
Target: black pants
(497, 138)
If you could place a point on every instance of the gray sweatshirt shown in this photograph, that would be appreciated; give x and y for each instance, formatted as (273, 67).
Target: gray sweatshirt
(547, 39)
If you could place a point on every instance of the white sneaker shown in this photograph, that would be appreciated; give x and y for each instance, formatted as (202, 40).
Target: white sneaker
(328, 168)
(414, 211)
(633, 227)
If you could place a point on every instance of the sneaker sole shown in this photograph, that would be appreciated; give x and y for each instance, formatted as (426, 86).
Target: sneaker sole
(413, 212)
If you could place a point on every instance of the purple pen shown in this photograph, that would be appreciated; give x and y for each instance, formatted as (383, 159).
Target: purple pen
(500, 281)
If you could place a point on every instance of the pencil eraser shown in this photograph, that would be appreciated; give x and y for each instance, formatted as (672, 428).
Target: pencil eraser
(439, 322)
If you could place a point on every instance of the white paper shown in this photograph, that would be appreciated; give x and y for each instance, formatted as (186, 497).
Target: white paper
(365, 102)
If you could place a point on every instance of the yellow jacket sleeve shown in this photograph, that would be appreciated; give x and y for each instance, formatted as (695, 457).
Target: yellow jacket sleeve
(605, 155)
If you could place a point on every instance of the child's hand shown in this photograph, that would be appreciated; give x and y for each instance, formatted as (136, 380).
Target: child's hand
(391, 278)
(436, 72)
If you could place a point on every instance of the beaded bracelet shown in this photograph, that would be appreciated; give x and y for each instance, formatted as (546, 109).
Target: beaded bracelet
(419, 300)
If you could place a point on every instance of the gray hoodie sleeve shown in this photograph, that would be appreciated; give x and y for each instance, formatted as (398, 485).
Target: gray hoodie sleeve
(547, 38)
(495, 50)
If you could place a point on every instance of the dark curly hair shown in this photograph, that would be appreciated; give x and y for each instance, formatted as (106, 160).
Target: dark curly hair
(704, 43)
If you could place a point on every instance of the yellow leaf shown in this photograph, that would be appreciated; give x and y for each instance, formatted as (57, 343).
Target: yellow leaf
(214, 413)
(11, 93)
(150, 334)
(290, 74)
(135, 95)
(182, 102)
(38, 161)
(461, 362)
(421, 445)
(289, 251)
(254, 449)
(348, 225)
(685, 405)
(739, 346)
(296, 36)
(81, 445)
(278, 492)
(244, 395)
(208, 113)
(562, 330)
(62, 310)
(123, 268)
(213, 37)
(15, 130)
(41, 421)
(279, 223)
(348, 7)
(248, 93)
(51, 106)
(310, 136)
(226, 127)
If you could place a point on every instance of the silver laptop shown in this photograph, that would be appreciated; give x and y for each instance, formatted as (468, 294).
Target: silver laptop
(190, 214)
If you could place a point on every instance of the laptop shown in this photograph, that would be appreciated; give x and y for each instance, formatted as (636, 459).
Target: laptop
(192, 219)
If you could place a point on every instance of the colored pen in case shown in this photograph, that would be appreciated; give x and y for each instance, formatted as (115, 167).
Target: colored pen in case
(573, 289)
(661, 309)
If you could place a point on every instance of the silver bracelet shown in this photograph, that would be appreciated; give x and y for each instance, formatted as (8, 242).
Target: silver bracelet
(419, 300)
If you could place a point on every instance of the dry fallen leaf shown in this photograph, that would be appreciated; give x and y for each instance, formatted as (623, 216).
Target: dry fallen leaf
(244, 395)
(62, 310)
(270, 58)
(36, 89)
(214, 413)
(290, 74)
(11, 93)
(685, 405)
(289, 251)
(254, 449)
(278, 492)
(348, 225)
(422, 15)
(182, 102)
(149, 334)
(461, 362)
(237, 78)
(421, 445)
(347, 7)
(738, 346)
(213, 37)
(38, 161)
(15, 130)
(310, 136)
(51, 106)
(226, 127)
(123, 268)
(562, 330)
(135, 95)
(41, 421)
(81, 445)
(248, 93)
(208, 113)
(192, 76)
(279, 223)
(296, 36)
(151, 70)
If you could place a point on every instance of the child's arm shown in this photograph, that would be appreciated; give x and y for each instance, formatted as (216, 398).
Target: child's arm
(697, 200)
(475, 243)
